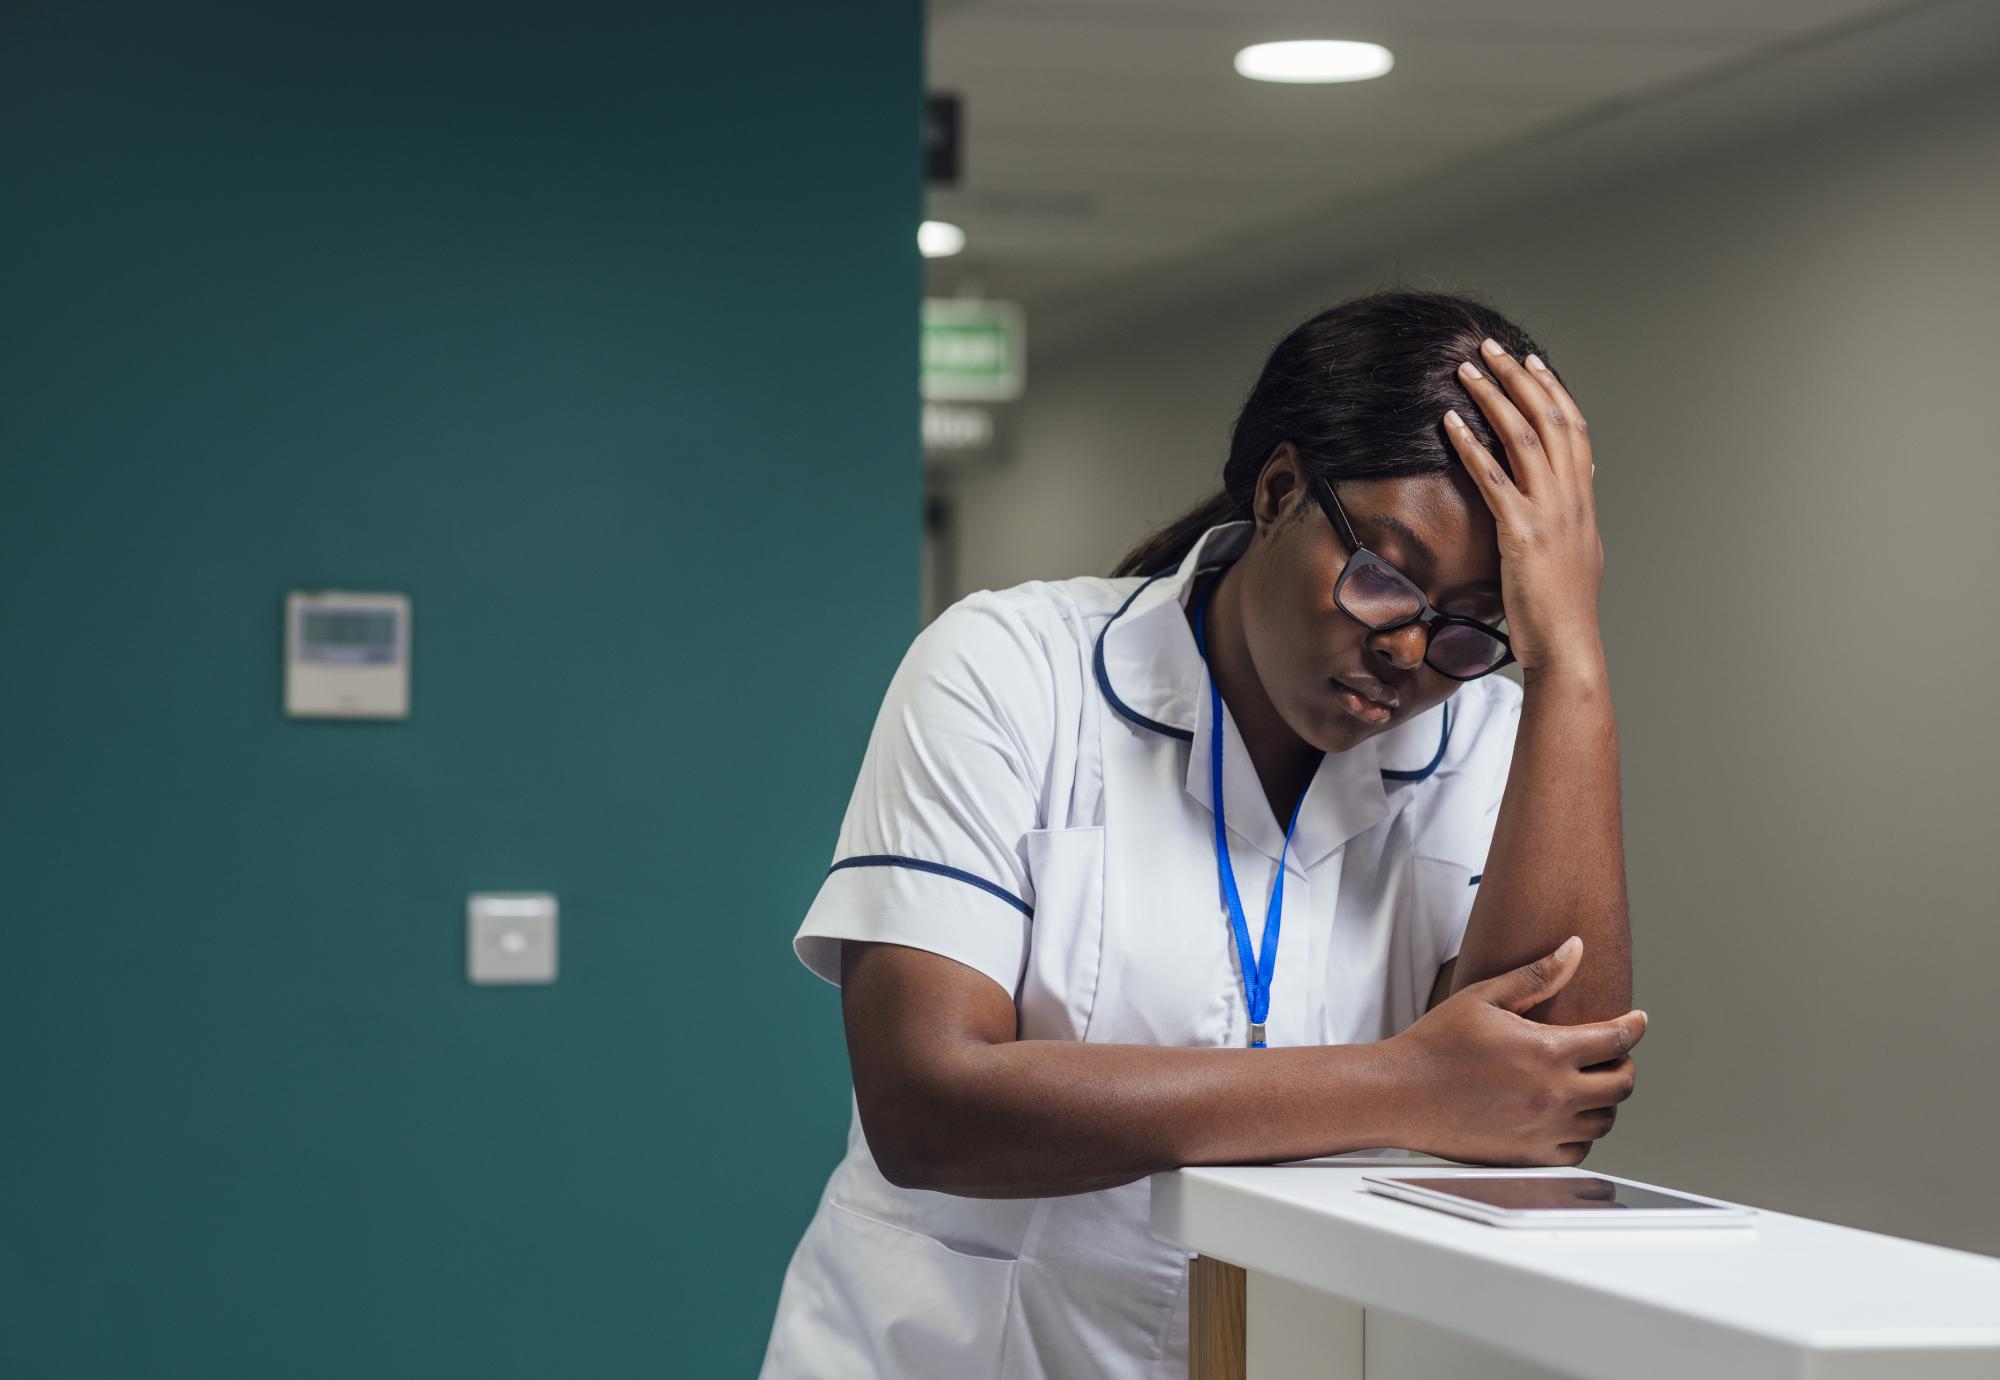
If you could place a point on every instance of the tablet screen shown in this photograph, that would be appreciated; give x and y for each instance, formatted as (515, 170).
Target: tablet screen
(1556, 1193)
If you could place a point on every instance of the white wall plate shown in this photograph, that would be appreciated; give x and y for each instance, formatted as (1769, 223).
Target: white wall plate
(510, 937)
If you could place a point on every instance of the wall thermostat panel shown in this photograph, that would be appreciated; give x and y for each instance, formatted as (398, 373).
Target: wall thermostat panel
(347, 656)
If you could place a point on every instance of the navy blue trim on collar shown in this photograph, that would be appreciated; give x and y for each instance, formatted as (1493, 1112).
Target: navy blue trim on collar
(1126, 710)
(919, 865)
(1475, 879)
(1421, 772)
(1104, 677)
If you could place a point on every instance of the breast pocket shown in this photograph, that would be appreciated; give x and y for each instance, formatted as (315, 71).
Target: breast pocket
(1065, 946)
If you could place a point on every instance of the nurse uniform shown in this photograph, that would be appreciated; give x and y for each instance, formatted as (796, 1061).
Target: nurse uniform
(1034, 802)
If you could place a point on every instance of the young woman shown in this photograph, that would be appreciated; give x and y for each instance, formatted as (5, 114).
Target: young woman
(1241, 855)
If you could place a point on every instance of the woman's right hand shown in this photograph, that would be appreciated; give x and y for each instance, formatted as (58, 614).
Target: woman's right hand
(1489, 1086)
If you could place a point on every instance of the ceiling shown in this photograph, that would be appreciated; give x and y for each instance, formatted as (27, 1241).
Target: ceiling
(1108, 141)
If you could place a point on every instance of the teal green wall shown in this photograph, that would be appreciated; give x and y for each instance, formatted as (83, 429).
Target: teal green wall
(593, 328)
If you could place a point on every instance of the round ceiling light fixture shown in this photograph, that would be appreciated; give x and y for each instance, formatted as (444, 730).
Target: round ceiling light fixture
(939, 239)
(1314, 60)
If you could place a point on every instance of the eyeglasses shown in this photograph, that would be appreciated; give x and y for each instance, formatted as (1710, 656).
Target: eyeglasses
(1380, 597)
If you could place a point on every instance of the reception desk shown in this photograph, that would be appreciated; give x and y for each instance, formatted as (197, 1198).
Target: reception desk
(1304, 1274)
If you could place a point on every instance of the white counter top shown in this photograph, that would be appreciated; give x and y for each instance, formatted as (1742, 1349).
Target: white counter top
(1788, 1297)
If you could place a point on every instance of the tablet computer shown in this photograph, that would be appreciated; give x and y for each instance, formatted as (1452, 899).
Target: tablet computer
(1556, 1198)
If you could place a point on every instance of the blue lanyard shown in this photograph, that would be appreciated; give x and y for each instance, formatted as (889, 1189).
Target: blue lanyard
(1257, 970)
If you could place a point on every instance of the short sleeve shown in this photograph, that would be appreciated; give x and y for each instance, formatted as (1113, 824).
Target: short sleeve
(1451, 846)
(931, 851)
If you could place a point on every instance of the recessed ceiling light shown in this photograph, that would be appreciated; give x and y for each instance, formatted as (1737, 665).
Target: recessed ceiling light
(1314, 60)
(939, 239)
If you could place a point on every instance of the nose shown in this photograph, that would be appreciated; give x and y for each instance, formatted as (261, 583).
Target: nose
(1401, 647)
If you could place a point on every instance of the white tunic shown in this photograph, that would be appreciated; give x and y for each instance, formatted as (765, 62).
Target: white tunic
(1034, 803)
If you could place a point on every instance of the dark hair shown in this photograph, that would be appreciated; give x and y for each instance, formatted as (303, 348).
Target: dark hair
(1361, 389)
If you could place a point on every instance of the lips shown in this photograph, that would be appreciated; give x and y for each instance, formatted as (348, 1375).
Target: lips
(1364, 704)
(1370, 691)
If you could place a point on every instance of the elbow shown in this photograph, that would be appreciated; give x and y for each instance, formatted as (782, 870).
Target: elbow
(896, 1156)
(917, 1136)
(904, 1156)
(908, 1170)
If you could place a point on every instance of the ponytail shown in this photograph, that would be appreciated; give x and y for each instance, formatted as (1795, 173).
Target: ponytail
(1169, 546)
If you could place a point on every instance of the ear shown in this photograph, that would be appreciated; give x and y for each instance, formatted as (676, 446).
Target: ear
(1281, 484)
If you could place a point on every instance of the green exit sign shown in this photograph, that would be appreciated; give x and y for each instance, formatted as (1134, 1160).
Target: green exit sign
(973, 351)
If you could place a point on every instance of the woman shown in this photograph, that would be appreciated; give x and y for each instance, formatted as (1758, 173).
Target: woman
(1241, 855)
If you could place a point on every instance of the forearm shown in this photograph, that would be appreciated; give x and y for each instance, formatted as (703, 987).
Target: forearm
(1556, 866)
(1039, 1118)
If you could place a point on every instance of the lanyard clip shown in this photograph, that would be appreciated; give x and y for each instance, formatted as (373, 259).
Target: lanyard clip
(1257, 1034)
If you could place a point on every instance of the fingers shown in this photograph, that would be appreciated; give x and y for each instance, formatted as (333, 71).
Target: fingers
(1579, 429)
(1584, 1045)
(1551, 422)
(1594, 1098)
(1593, 1123)
(1572, 1153)
(1530, 426)
(1494, 485)
(1534, 983)
(1605, 1085)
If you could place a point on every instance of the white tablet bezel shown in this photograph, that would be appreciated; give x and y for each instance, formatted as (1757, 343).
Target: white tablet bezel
(1725, 1214)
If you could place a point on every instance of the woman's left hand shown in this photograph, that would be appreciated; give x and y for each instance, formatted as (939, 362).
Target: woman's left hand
(1551, 557)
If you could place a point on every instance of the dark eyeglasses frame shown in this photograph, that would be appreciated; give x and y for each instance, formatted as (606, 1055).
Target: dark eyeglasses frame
(1359, 557)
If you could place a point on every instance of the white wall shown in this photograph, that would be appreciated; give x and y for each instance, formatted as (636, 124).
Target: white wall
(1787, 351)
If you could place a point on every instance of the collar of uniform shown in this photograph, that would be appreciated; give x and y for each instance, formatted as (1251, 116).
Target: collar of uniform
(1345, 797)
(1152, 673)
(1147, 663)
